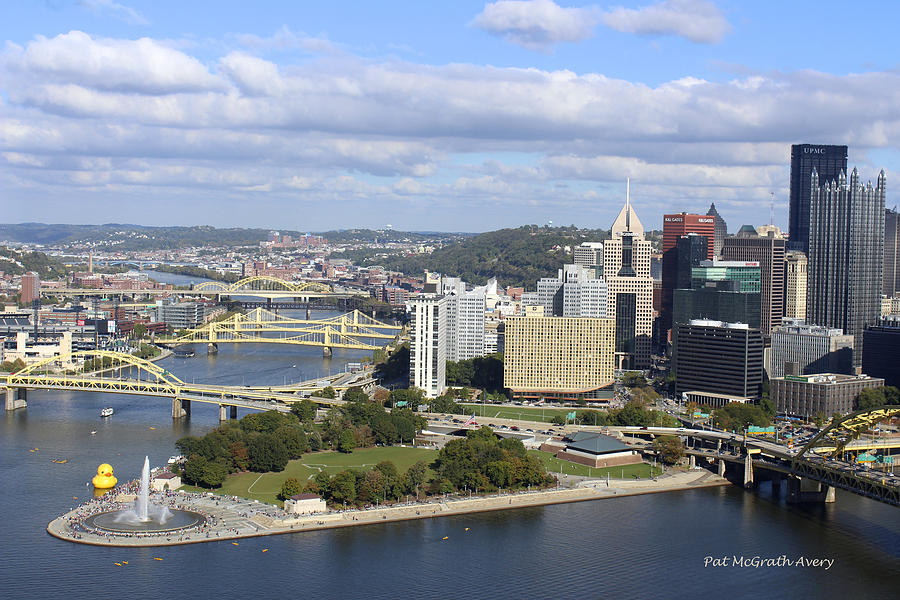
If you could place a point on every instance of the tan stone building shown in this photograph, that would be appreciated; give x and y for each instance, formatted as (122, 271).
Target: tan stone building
(629, 294)
(795, 266)
(558, 357)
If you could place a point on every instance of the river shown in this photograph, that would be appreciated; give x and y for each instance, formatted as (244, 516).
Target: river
(650, 546)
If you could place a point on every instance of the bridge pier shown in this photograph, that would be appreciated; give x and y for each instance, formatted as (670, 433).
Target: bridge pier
(748, 471)
(15, 398)
(180, 408)
(801, 490)
(693, 461)
(227, 412)
(721, 468)
(718, 444)
(212, 348)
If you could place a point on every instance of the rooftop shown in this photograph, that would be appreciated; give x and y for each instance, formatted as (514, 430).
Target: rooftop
(595, 443)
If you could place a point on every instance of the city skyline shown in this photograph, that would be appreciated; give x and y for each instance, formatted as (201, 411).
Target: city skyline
(314, 118)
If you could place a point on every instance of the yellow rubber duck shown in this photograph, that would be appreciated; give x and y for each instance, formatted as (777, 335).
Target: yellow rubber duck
(104, 478)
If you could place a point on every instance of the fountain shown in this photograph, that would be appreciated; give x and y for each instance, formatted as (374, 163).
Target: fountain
(144, 516)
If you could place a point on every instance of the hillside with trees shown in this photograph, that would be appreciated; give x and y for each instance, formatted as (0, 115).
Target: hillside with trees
(17, 262)
(516, 257)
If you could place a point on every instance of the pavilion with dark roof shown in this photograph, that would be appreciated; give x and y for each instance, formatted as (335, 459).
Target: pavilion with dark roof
(593, 450)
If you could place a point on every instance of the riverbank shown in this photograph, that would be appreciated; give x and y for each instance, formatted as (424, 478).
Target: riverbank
(234, 518)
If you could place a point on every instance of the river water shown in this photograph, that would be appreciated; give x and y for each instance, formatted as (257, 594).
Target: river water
(650, 546)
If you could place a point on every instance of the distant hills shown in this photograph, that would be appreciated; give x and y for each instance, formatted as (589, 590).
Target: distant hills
(140, 237)
(516, 257)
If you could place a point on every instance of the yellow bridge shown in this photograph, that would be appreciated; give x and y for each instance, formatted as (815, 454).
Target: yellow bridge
(263, 326)
(126, 374)
(259, 286)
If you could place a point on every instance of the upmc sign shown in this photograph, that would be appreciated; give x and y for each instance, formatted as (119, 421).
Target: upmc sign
(820, 150)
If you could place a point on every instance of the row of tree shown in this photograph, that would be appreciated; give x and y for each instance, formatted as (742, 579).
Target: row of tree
(260, 442)
(358, 487)
(265, 442)
(483, 372)
(632, 414)
(482, 462)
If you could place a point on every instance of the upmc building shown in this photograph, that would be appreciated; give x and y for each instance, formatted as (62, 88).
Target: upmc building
(828, 161)
(675, 226)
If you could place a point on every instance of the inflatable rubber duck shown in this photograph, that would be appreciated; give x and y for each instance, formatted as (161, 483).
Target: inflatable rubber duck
(104, 478)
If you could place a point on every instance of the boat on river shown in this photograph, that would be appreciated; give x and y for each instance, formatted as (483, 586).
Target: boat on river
(106, 412)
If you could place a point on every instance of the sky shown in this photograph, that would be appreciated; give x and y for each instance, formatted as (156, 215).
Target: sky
(438, 116)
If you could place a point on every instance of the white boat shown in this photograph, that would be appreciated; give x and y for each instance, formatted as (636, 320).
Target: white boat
(106, 412)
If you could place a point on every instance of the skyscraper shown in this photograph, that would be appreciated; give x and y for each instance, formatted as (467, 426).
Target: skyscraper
(31, 288)
(428, 343)
(626, 270)
(675, 226)
(768, 251)
(721, 229)
(846, 254)
(829, 162)
(574, 292)
(590, 255)
(795, 273)
(891, 252)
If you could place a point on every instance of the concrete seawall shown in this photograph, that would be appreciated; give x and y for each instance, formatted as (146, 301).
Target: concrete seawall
(238, 518)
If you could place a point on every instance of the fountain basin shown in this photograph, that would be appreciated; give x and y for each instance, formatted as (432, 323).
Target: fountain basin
(113, 522)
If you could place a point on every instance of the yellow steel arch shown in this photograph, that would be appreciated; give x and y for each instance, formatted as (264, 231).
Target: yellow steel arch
(848, 428)
(262, 282)
(117, 359)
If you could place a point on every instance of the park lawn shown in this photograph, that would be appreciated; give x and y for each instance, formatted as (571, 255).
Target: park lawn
(266, 486)
(555, 465)
(522, 413)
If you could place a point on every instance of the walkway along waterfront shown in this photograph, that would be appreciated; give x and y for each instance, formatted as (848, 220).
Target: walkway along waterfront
(230, 517)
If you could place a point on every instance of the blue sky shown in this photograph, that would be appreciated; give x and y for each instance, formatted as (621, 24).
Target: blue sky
(463, 116)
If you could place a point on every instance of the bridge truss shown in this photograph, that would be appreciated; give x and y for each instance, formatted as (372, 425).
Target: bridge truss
(126, 374)
(263, 326)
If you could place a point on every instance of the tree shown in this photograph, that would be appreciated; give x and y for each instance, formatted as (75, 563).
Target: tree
(669, 448)
(326, 392)
(290, 487)
(343, 487)
(267, 453)
(346, 441)
(734, 416)
(294, 440)
(194, 467)
(372, 488)
(214, 474)
(768, 407)
(558, 420)
(870, 398)
(415, 476)
(305, 410)
(633, 379)
(444, 404)
(355, 394)
(413, 397)
(139, 331)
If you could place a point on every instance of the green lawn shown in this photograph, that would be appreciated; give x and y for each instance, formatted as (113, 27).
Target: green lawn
(555, 465)
(522, 413)
(266, 486)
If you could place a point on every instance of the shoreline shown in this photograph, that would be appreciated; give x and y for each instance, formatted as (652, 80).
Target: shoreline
(257, 520)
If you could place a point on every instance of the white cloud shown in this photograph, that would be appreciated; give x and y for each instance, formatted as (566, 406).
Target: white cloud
(130, 66)
(137, 117)
(536, 24)
(116, 10)
(699, 21)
